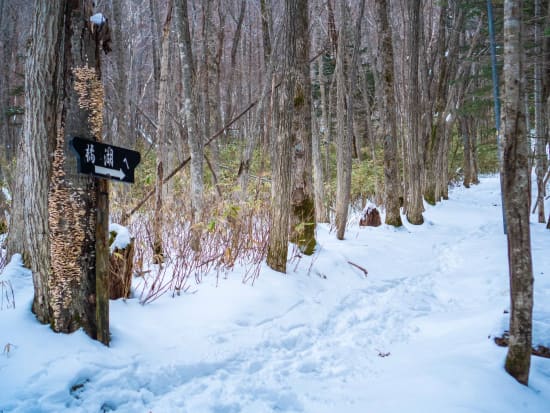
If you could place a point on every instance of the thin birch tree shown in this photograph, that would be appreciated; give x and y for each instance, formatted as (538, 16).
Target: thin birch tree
(516, 197)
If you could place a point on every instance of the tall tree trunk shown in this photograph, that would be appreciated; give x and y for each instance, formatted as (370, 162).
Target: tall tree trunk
(468, 153)
(541, 157)
(122, 79)
(42, 98)
(343, 147)
(321, 214)
(205, 79)
(251, 142)
(546, 81)
(11, 140)
(158, 249)
(265, 9)
(277, 249)
(352, 82)
(515, 187)
(154, 21)
(194, 138)
(385, 83)
(233, 70)
(414, 193)
(72, 202)
(302, 220)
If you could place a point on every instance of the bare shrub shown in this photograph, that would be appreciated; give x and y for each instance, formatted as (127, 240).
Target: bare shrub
(232, 234)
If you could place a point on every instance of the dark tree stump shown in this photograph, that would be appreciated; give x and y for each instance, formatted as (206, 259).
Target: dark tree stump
(370, 218)
(120, 271)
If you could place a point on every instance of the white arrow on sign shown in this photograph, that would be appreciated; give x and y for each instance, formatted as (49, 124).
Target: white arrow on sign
(116, 173)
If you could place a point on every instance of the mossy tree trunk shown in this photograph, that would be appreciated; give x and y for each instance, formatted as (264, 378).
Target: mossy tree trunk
(302, 221)
(516, 196)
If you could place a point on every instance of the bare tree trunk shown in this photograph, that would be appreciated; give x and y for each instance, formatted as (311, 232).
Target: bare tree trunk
(385, 83)
(72, 202)
(468, 154)
(352, 82)
(541, 158)
(155, 27)
(318, 179)
(325, 123)
(414, 194)
(195, 139)
(205, 76)
(122, 112)
(281, 184)
(11, 139)
(233, 71)
(40, 131)
(302, 220)
(251, 142)
(343, 140)
(158, 249)
(265, 9)
(546, 82)
(515, 187)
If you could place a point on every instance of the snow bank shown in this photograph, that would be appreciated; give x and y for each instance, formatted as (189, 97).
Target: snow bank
(122, 238)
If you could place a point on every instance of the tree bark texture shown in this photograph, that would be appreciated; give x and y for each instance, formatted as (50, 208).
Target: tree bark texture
(195, 139)
(385, 83)
(277, 249)
(40, 130)
(343, 140)
(303, 204)
(438, 141)
(468, 153)
(158, 248)
(516, 195)
(321, 214)
(541, 157)
(414, 205)
(72, 197)
(122, 111)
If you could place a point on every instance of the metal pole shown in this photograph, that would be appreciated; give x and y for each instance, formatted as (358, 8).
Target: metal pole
(496, 98)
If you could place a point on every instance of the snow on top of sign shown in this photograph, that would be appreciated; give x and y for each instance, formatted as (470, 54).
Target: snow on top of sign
(122, 238)
(98, 19)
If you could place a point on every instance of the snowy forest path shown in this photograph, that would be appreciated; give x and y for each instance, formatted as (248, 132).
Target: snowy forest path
(322, 338)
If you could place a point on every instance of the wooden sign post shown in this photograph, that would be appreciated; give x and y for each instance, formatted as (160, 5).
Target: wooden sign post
(104, 162)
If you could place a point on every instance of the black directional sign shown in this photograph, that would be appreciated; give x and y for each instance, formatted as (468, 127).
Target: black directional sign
(105, 161)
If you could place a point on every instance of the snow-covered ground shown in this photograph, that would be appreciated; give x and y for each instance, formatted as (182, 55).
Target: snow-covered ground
(415, 335)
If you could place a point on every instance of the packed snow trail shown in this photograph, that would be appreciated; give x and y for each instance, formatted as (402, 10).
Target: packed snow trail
(415, 335)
